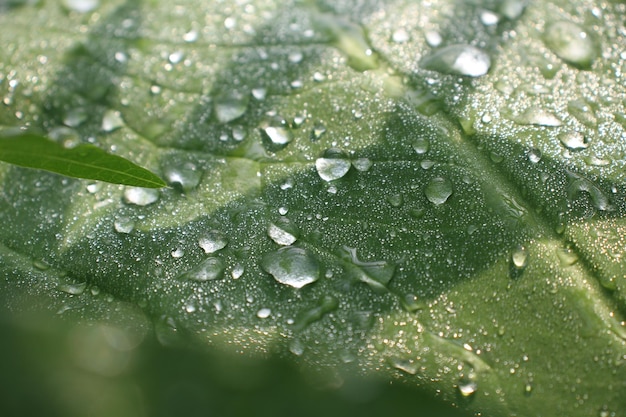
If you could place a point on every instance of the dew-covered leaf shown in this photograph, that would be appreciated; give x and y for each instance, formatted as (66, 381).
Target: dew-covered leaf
(428, 194)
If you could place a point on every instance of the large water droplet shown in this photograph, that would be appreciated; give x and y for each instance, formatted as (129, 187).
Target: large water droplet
(438, 190)
(571, 43)
(210, 269)
(291, 266)
(230, 106)
(574, 140)
(140, 196)
(283, 232)
(458, 60)
(182, 174)
(213, 241)
(333, 165)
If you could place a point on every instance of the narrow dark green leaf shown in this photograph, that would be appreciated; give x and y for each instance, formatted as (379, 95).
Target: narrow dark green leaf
(83, 161)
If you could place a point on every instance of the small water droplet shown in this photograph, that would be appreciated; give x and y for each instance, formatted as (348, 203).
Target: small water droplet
(362, 164)
(458, 59)
(72, 288)
(567, 257)
(534, 155)
(489, 18)
(81, 6)
(140, 196)
(333, 165)
(539, 117)
(124, 225)
(412, 303)
(176, 57)
(395, 200)
(573, 140)
(438, 190)
(571, 43)
(512, 9)
(191, 36)
(519, 257)
(237, 271)
(583, 112)
(405, 365)
(75, 117)
(296, 347)
(41, 265)
(400, 36)
(190, 307)
(283, 232)
(213, 241)
(278, 135)
(177, 253)
(467, 388)
(318, 131)
(295, 57)
(433, 38)
(421, 145)
(209, 269)
(528, 389)
(112, 120)
(291, 266)
(263, 313)
(230, 106)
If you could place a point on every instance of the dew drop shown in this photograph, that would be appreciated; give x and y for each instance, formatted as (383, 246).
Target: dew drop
(230, 106)
(283, 232)
(263, 313)
(72, 288)
(112, 120)
(191, 36)
(213, 241)
(140, 196)
(489, 18)
(458, 59)
(421, 145)
(400, 36)
(278, 135)
(438, 190)
(259, 93)
(412, 303)
(75, 117)
(405, 365)
(237, 271)
(467, 388)
(318, 131)
(124, 225)
(571, 43)
(395, 200)
(362, 164)
(573, 140)
(567, 257)
(519, 257)
(333, 165)
(291, 266)
(81, 6)
(296, 347)
(209, 269)
(177, 253)
(376, 274)
(539, 117)
(181, 174)
(433, 38)
(534, 155)
(512, 9)
(41, 265)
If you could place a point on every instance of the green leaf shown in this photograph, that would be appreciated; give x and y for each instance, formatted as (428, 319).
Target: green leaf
(423, 194)
(82, 161)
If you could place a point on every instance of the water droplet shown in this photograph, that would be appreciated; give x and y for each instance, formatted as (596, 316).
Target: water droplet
(230, 106)
(81, 6)
(190, 307)
(259, 93)
(539, 117)
(124, 225)
(291, 266)
(237, 271)
(295, 57)
(72, 288)
(519, 257)
(75, 117)
(362, 164)
(181, 174)
(209, 269)
(573, 140)
(112, 120)
(333, 165)
(534, 155)
(427, 164)
(567, 257)
(579, 184)
(325, 305)
(376, 274)
(583, 112)
(41, 265)
(177, 253)
(400, 36)
(296, 347)
(433, 38)
(283, 232)
(528, 389)
(318, 131)
(512, 9)
(458, 59)
(571, 43)
(140, 196)
(421, 145)
(594, 160)
(278, 135)
(489, 18)
(438, 190)
(467, 388)
(395, 200)
(412, 303)
(213, 241)
(263, 313)
(175, 57)
(405, 365)
(191, 36)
